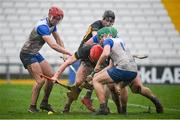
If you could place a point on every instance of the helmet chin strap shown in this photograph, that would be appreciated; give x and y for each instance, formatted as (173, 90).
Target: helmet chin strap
(50, 19)
(91, 59)
(108, 36)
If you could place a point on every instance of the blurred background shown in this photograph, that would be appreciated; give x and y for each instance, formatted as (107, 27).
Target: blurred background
(148, 27)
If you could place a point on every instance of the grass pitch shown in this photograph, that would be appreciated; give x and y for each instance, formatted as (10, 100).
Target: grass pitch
(15, 99)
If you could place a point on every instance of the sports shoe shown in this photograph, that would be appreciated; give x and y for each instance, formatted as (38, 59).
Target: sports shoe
(122, 110)
(159, 107)
(103, 109)
(102, 112)
(46, 107)
(33, 109)
(88, 103)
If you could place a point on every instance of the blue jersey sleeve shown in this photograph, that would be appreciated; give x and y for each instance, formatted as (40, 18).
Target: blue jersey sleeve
(108, 41)
(95, 39)
(43, 30)
(55, 29)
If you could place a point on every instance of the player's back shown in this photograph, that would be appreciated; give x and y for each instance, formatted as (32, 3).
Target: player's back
(121, 55)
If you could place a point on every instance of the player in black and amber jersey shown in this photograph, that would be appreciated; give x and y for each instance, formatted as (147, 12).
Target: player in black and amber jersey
(108, 20)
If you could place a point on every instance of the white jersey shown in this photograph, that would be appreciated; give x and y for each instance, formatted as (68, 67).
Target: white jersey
(35, 41)
(121, 55)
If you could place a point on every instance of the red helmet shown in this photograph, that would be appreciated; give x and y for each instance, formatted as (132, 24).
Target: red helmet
(95, 53)
(56, 12)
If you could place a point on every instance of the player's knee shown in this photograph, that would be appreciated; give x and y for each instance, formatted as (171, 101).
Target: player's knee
(111, 87)
(78, 83)
(50, 74)
(40, 83)
(136, 89)
(94, 81)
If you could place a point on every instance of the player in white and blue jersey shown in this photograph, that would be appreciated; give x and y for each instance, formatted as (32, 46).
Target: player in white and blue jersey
(34, 62)
(122, 69)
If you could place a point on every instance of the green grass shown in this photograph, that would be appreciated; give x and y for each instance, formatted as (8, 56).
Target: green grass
(15, 99)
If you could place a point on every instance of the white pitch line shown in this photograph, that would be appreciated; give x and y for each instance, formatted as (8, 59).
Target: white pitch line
(137, 105)
(142, 106)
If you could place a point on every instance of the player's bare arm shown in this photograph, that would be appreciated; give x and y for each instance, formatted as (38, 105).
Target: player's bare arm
(104, 55)
(62, 67)
(59, 42)
(58, 39)
(55, 46)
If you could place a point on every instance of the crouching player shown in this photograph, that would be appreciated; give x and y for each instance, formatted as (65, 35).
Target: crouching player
(89, 54)
(123, 69)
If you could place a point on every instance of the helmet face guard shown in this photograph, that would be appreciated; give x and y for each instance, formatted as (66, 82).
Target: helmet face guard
(58, 18)
(109, 19)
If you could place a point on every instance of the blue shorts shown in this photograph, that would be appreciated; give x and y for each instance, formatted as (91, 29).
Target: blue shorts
(28, 59)
(118, 75)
